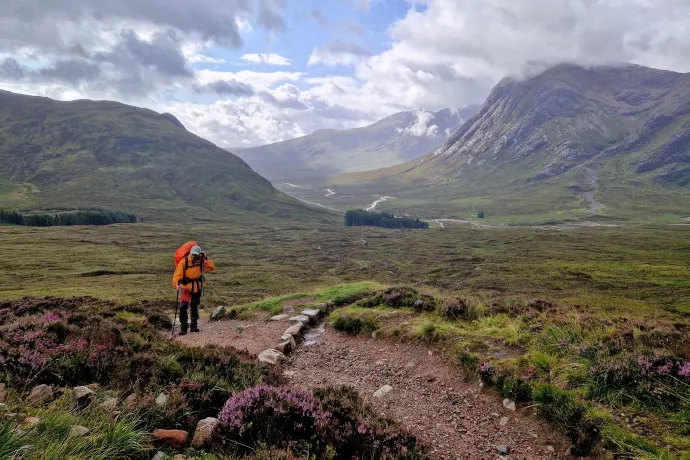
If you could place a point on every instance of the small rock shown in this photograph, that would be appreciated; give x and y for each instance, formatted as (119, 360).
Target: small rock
(3, 393)
(159, 456)
(3, 408)
(179, 457)
(550, 449)
(289, 373)
(431, 353)
(495, 414)
(131, 402)
(312, 313)
(504, 421)
(218, 312)
(295, 330)
(503, 450)
(93, 386)
(31, 421)
(78, 431)
(285, 347)
(162, 400)
(41, 394)
(203, 432)
(271, 356)
(83, 397)
(173, 438)
(508, 404)
(300, 319)
(279, 317)
(289, 338)
(110, 404)
(383, 391)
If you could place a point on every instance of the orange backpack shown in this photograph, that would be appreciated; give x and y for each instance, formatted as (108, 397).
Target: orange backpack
(183, 251)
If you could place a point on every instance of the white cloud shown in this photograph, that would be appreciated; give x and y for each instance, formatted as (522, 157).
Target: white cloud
(338, 53)
(267, 58)
(422, 125)
(256, 79)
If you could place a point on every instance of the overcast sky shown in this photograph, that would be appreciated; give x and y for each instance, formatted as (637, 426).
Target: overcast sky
(250, 72)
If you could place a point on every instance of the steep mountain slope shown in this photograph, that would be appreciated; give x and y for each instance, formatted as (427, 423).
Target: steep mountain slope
(393, 140)
(570, 142)
(86, 154)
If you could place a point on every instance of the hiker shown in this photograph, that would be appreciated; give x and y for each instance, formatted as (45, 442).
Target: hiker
(189, 281)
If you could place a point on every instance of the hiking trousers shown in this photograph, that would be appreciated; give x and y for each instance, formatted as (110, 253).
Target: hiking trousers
(184, 306)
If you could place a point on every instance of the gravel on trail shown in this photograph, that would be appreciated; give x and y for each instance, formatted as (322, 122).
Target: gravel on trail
(456, 418)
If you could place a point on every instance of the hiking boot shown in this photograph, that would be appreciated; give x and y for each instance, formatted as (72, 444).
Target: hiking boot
(183, 331)
(195, 329)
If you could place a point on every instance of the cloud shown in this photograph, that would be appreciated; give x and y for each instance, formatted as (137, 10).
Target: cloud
(338, 53)
(422, 125)
(226, 88)
(269, 17)
(267, 58)
(259, 80)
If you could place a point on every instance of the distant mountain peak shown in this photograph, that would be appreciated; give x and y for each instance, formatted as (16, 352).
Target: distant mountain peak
(395, 139)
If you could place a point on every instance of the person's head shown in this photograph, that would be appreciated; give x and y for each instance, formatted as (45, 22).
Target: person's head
(195, 252)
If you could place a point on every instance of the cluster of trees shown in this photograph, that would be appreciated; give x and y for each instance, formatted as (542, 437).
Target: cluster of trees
(67, 218)
(359, 217)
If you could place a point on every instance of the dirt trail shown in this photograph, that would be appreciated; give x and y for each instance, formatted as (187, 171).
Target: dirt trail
(253, 336)
(593, 179)
(456, 418)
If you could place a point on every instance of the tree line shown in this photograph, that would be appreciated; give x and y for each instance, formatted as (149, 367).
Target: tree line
(67, 218)
(360, 217)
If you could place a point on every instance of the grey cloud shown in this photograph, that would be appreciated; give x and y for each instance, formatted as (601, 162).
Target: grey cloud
(339, 47)
(162, 53)
(226, 88)
(11, 69)
(291, 103)
(211, 19)
(269, 17)
(70, 71)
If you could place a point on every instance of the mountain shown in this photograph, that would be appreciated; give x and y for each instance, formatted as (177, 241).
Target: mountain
(572, 142)
(393, 140)
(87, 154)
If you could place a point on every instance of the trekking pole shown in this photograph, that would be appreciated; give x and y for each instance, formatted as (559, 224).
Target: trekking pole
(177, 302)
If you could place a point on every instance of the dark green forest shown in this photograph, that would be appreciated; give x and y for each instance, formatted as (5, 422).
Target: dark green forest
(362, 217)
(67, 218)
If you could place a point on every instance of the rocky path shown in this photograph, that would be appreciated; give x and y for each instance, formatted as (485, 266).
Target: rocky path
(456, 418)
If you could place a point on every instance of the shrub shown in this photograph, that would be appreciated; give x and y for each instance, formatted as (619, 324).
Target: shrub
(272, 416)
(400, 297)
(333, 423)
(455, 309)
(570, 415)
(160, 321)
(430, 332)
(353, 326)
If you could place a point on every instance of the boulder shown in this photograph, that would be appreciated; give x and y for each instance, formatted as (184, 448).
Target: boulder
(312, 313)
(83, 397)
(285, 347)
(300, 319)
(3, 393)
(271, 357)
(131, 402)
(162, 400)
(78, 431)
(203, 432)
(295, 330)
(508, 404)
(173, 438)
(279, 317)
(289, 338)
(219, 312)
(110, 404)
(383, 391)
(41, 394)
(31, 421)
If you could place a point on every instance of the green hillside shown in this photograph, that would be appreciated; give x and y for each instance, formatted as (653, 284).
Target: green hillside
(573, 143)
(87, 154)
